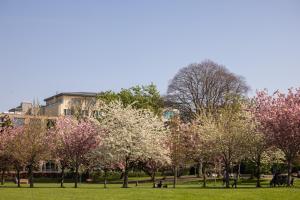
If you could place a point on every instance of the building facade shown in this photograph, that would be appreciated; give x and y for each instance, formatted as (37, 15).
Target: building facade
(66, 103)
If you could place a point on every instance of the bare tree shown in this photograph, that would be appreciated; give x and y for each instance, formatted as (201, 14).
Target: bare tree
(203, 86)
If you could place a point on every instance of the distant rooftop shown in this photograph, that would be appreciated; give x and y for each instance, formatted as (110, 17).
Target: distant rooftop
(81, 94)
(23, 107)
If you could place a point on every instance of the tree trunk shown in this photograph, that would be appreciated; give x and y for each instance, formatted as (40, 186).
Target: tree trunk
(258, 173)
(204, 176)
(62, 178)
(239, 171)
(125, 181)
(289, 172)
(153, 179)
(105, 178)
(198, 170)
(18, 177)
(30, 175)
(175, 176)
(2, 177)
(76, 176)
(227, 169)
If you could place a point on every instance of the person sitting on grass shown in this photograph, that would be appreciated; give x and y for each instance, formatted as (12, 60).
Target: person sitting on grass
(292, 182)
(159, 185)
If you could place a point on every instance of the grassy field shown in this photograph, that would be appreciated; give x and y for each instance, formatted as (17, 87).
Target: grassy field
(185, 190)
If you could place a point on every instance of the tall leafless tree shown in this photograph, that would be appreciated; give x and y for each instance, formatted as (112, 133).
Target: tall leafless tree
(203, 86)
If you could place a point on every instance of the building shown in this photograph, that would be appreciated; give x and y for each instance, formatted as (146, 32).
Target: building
(62, 104)
(67, 102)
(22, 109)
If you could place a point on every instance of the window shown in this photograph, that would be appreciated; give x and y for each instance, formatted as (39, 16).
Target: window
(84, 112)
(19, 121)
(96, 114)
(67, 112)
(76, 101)
(168, 115)
(49, 166)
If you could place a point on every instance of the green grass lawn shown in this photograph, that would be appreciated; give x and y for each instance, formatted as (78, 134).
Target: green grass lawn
(185, 191)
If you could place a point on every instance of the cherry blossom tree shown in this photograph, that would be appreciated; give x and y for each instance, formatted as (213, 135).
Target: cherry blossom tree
(257, 148)
(102, 159)
(11, 138)
(151, 166)
(5, 127)
(4, 166)
(228, 132)
(260, 153)
(177, 142)
(201, 148)
(279, 116)
(74, 140)
(59, 153)
(4, 157)
(3, 162)
(133, 135)
(30, 146)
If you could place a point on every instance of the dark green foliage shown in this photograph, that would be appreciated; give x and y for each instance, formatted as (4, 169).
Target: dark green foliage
(5, 121)
(145, 97)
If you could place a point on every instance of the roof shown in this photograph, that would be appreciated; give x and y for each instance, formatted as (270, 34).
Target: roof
(80, 94)
(19, 108)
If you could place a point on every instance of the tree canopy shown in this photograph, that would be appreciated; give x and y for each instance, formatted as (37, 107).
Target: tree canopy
(203, 86)
(145, 97)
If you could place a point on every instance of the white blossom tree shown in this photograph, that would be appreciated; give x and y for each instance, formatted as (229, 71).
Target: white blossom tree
(228, 133)
(179, 144)
(202, 148)
(102, 159)
(133, 135)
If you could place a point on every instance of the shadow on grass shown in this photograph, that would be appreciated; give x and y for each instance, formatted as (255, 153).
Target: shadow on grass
(150, 188)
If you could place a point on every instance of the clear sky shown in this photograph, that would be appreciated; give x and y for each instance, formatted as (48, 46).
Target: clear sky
(62, 46)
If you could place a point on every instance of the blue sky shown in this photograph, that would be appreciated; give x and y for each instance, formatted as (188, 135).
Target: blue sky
(55, 46)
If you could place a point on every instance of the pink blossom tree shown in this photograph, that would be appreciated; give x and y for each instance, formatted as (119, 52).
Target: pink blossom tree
(150, 167)
(11, 144)
(33, 146)
(279, 116)
(4, 157)
(74, 140)
(2, 147)
(5, 127)
(59, 153)
(28, 145)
